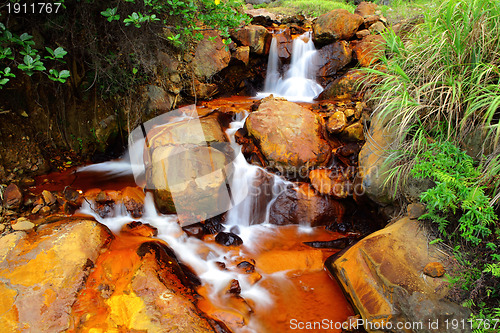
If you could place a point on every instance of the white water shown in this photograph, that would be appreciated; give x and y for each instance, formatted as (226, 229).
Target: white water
(298, 83)
(200, 256)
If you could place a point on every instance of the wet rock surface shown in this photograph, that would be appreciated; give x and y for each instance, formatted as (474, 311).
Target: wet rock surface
(305, 206)
(335, 25)
(288, 135)
(256, 37)
(42, 272)
(73, 275)
(382, 274)
(332, 58)
(228, 239)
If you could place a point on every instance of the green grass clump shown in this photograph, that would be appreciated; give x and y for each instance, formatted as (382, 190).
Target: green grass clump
(443, 83)
(438, 93)
(311, 8)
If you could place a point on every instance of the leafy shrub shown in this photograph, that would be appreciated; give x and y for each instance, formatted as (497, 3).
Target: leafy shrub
(456, 204)
(18, 51)
(462, 211)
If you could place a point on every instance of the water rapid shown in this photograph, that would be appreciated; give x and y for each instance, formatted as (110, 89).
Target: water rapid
(248, 219)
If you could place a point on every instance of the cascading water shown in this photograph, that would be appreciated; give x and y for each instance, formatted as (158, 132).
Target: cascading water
(298, 83)
(204, 257)
(253, 191)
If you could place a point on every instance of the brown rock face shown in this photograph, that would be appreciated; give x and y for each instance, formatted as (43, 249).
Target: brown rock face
(335, 25)
(133, 199)
(332, 58)
(305, 206)
(289, 136)
(255, 36)
(369, 50)
(345, 86)
(284, 42)
(42, 272)
(210, 56)
(186, 173)
(366, 9)
(382, 274)
(12, 197)
(137, 286)
(242, 53)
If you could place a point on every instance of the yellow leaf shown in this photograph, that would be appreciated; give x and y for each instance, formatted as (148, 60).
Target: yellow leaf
(217, 2)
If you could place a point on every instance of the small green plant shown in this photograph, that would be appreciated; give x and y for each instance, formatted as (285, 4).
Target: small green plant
(456, 195)
(17, 51)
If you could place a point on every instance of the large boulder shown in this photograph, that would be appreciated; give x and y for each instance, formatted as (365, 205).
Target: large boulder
(187, 165)
(346, 86)
(335, 25)
(255, 36)
(210, 56)
(332, 58)
(41, 273)
(138, 285)
(302, 205)
(180, 175)
(369, 50)
(383, 276)
(289, 136)
(73, 275)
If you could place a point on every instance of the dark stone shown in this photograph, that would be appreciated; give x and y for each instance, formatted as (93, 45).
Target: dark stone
(12, 197)
(70, 194)
(246, 266)
(339, 243)
(234, 287)
(195, 230)
(213, 226)
(228, 239)
(305, 206)
(235, 230)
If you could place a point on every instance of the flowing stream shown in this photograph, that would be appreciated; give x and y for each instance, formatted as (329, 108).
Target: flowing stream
(279, 295)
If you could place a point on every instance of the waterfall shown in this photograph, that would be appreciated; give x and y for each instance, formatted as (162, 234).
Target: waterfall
(298, 83)
(249, 215)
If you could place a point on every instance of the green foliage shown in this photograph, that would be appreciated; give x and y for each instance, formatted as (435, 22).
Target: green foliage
(214, 14)
(18, 51)
(456, 204)
(463, 213)
(110, 14)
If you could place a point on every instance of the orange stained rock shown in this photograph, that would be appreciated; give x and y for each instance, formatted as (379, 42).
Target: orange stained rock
(126, 290)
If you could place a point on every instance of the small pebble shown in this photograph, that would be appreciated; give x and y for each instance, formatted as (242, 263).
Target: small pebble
(434, 269)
